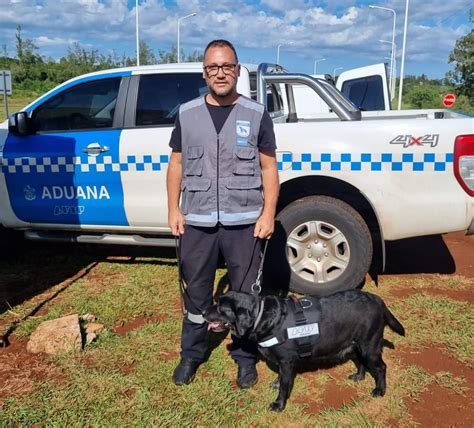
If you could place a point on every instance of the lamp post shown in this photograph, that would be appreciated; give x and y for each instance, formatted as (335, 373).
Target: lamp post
(392, 57)
(278, 50)
(392, 68)
(136, 28)
(402, 68)
(334, 72)
(392, 88)
(179, 22)
(315, 63)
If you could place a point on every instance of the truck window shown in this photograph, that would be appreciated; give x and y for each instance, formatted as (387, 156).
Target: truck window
(89, 105)
(366, 92)
(160, 95)
(274, 100)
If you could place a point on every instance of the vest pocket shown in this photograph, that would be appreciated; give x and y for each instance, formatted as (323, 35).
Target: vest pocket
(244, 161)
(245, 191)
(193, 195)
(194, 160)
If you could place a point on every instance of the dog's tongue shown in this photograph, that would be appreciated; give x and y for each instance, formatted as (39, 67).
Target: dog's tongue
(213, 325)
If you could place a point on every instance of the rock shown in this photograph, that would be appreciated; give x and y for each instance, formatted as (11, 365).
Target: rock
(56, 336)
(88, 318)
(94, 327)
(90, 337)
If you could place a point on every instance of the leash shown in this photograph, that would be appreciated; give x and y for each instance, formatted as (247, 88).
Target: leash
(256, 287)
(182, 288)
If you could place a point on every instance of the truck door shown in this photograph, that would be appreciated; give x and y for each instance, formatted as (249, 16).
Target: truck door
(367, 87)
(149, 121)
(68, 170)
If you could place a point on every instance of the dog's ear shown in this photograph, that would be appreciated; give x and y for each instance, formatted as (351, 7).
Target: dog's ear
(244, 307)
(244, 321)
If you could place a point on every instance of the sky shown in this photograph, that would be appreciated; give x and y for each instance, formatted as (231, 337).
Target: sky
(345, 33)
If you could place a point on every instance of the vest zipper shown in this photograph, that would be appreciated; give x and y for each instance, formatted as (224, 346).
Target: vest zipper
(217, 181)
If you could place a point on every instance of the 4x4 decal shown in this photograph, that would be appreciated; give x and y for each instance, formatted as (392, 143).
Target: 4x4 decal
(410, 140)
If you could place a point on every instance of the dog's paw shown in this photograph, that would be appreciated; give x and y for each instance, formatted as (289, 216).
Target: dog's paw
(276, 406)
(275, 384)
(357, 377)
(378, 392)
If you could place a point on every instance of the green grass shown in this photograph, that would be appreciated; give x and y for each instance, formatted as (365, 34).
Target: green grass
(16, 102)
(125, 380)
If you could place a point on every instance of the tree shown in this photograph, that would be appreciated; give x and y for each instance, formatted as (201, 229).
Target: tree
(25, 49)
(147, 56)
(424, 96)
(463, 58)
(165, 57)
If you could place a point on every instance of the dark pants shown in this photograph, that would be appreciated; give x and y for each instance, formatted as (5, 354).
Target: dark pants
(200, 248)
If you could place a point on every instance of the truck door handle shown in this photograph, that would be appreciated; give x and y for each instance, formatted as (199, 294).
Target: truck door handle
(95, 149)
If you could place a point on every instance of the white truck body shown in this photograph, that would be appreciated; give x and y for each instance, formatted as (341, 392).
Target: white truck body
(108, 184)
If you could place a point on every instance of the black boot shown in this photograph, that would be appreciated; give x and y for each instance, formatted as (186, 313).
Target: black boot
(185, 371)
(247, 376)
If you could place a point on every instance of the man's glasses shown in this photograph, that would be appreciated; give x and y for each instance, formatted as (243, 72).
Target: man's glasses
(213, 70)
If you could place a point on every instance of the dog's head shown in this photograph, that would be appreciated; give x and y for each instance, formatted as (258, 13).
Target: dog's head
(235, 310)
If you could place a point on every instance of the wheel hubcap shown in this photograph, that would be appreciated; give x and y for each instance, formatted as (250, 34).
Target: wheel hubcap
(317, 251)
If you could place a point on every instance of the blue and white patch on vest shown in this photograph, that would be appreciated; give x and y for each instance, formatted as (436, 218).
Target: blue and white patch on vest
(242, 142)
(242, 128)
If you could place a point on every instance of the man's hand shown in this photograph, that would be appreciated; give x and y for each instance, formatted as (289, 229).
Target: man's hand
(264, 227)
(176, 222)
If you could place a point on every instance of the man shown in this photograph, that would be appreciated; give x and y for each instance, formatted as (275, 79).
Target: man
(223, 157)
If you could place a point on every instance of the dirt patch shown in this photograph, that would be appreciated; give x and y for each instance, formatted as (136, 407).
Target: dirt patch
(433, 360)
(123, 329)
(461, 294)
(440, 407)
(402, 293)
(334, 394)
(461, 248)
(19, 370)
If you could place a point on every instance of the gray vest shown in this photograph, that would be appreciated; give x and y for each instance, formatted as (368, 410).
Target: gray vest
(222, 179)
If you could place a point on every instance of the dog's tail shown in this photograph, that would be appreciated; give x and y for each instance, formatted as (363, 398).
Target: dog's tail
(392, 322)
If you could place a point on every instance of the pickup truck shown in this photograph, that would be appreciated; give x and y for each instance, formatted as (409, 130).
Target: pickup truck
(87, 161)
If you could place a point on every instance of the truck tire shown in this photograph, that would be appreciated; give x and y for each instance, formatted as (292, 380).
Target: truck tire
(321, 245)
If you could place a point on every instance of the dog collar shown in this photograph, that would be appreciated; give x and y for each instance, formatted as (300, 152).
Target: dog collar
(259, 316)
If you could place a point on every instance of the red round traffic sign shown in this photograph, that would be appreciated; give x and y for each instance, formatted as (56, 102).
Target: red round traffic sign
(449, 100)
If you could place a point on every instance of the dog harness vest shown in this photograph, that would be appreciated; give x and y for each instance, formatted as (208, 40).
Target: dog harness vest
(221, 172)
(300, 324)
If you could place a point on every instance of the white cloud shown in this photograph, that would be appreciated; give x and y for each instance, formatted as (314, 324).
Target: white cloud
(339, 28)
(56, 41)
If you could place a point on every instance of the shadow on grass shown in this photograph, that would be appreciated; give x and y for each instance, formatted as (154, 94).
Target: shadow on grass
(31, 268)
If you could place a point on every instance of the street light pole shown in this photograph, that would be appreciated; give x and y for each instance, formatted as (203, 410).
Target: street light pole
(278, 50)
(315, 62)
(179, 22)
(391, 85)
(334, 72)
(402, 68)
(136, 27)
(392, 57)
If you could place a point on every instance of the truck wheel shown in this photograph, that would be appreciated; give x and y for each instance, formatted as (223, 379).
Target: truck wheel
(321, 245)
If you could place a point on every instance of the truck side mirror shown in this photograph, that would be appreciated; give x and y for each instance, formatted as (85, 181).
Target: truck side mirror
(19, 123)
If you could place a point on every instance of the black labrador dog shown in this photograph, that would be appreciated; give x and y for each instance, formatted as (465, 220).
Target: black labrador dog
(292, 333)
